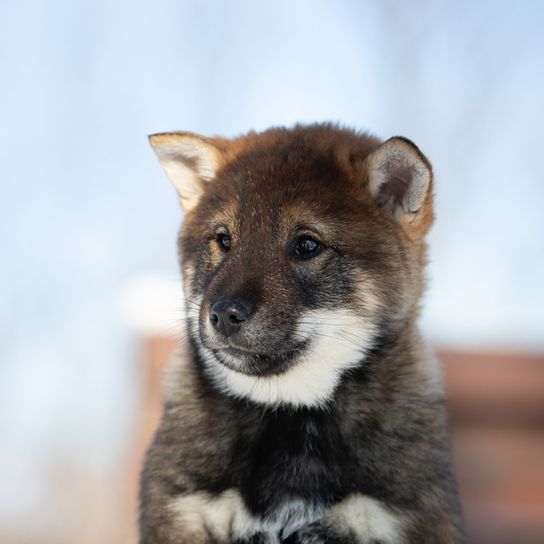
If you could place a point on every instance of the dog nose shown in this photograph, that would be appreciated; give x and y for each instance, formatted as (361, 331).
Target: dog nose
(227, 316)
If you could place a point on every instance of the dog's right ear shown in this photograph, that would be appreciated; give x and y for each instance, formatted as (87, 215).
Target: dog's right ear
(189, 160)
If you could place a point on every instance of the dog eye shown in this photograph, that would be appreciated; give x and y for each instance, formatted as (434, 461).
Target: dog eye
(307, 247)
(224, 241)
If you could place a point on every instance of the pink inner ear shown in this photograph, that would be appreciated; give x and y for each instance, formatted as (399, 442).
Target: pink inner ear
(399, 177)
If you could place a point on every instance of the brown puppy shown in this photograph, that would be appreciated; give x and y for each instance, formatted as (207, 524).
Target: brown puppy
(305, 408)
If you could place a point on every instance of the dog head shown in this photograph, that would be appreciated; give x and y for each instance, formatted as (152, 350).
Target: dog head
(301, 250)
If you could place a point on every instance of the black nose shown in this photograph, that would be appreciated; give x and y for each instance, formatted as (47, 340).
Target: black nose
(227, 316)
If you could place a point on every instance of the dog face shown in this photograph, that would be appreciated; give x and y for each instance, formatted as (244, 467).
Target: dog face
(301, 250)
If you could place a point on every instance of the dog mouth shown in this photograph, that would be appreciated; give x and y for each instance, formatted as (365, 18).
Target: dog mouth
(251, 363)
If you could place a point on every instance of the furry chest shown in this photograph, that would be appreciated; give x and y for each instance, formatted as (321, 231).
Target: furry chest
(295, 467)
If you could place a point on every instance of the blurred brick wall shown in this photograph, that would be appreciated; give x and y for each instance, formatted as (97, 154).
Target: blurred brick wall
(496, 406)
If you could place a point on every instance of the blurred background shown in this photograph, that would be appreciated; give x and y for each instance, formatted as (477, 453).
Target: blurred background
(89, 285)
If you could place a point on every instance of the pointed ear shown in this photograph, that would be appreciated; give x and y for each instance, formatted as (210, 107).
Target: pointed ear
(400, 179)
(189, 160)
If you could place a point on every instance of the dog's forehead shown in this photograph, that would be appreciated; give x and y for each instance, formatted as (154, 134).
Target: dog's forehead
(277, 168)
(290, 183)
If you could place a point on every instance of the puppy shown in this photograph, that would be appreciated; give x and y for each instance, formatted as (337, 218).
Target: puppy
(305, 407)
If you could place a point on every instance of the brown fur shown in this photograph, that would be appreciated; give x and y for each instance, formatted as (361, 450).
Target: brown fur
(381, 437)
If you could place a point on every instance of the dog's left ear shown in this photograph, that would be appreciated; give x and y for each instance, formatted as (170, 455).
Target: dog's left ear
(190, 161)
(400, 180)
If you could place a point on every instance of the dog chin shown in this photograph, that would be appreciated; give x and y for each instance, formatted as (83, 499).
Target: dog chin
(258, 364)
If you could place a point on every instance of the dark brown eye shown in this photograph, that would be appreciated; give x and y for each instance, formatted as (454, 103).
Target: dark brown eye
(224, 241)
(307, 247)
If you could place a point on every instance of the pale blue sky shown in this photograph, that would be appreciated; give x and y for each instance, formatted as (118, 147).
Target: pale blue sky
(86, 209)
